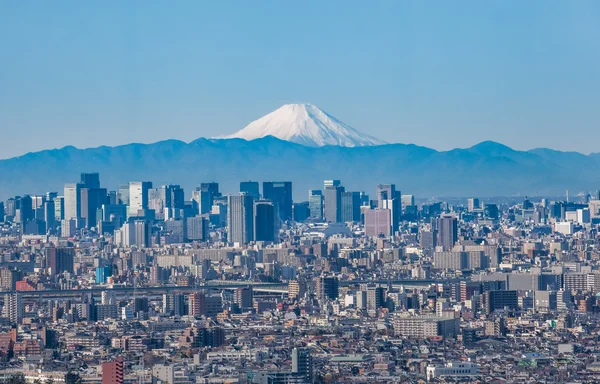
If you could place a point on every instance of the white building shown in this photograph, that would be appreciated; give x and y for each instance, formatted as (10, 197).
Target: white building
(566, 228)
(457, 369)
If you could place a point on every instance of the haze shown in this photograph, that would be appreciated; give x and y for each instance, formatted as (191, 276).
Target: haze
(105, 73)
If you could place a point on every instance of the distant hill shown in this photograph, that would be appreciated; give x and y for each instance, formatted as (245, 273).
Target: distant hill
(486, 169)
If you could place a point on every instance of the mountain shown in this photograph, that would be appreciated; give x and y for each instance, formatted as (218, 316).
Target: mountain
(486, 169)
(307, 125)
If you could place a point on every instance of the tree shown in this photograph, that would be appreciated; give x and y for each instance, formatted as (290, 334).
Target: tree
(17, 378)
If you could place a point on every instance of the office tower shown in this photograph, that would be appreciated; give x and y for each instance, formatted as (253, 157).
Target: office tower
(123, 194)
(243, 297)
(174, 230)
(13, 308)
(333, 201)
(240, 219)
(59, 208)
(90, 180)
(407, 202)
(1, 211)
(197, 228)
(473, 204)
(112, 372)
(350, 207)
(447, 232)
(315, 204)
(301, 211)
(375, 297)
(495, 300)
(141, 234)
(378, 222)
(103, 273)
(92, 199)
(302, 364)
(114, 213)
(166, 201)
(266, 221)
(68, 227)
(389, 198)
(138, 196)
(72, 201)
(26, 211)
(251, 188)
(205, 196)
(60, 260)
(490, 211)
(281, 194)
(327, 288)
(49, 214)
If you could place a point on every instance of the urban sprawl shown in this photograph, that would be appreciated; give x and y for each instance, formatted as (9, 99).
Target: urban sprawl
(148, 285)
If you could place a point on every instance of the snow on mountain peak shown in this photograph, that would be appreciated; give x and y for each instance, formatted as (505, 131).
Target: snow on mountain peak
(305, 124)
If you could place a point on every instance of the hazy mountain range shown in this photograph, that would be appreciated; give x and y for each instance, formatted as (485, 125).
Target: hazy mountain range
(486, 169)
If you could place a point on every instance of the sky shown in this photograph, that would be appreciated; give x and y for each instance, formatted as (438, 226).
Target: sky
(439, 74)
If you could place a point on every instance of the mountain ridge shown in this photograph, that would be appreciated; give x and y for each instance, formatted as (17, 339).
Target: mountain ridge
(414, 169)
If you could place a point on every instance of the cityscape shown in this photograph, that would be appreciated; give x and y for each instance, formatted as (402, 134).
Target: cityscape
(153, 284)
(285, 192)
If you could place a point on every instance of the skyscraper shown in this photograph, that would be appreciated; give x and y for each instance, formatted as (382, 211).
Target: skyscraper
(138, 196)
(205, 196)
(240, 219)
(378, 222)
(60, 260)
(389, 198)
(72, 198)
(302, 364)
(90, 180)
(91, 199)
(350, 207)
(447, 231)
(333, 201)
(266, 221)
(112, 372)
(251, 188)
(315, 204)
(281, 194)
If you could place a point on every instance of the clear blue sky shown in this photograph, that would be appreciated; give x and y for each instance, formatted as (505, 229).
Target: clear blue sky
(441, 74)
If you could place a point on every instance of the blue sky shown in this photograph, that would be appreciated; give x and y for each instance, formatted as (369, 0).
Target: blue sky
(439, 74)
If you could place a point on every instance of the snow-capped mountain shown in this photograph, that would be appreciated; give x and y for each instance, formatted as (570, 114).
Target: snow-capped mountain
(308, 125)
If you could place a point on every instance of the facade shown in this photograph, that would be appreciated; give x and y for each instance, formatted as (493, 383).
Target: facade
(280, 192)
(447, 232)
(315, 204)
(378, 222)
(240, 219)
(266, 221)
(138, 196)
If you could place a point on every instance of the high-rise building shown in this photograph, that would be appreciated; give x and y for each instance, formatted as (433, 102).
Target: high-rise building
(266, 221)
(123, 194)
(333, 201)
(302, 364)
(91, 200)
(389, 198)
(112, 372)
(142, 233)
(327, 287)
(350, 207)
(205, 195)
(138, 196)
(473, 204)
(378, 222)
(281, 194)
(197, 228)
(251, 188)
(60, 260)
(315, 204)
(72, 201)
(495, 300)
(240, 219)
(1, 211)
(447, 231)
(90, 180)
(243, 297)
(59, 208)
(13, 307)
